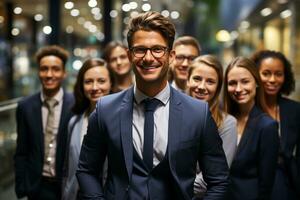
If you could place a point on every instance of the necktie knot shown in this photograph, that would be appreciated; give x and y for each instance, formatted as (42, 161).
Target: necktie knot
(50, 103)
(151, 104)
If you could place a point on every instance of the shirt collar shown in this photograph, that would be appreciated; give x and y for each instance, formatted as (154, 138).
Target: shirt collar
(58, 96)
(163, 95)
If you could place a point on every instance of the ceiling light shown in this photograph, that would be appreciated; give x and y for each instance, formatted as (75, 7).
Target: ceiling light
(87, 24)
(146, 7)
(15, 31)
(92, 3)
(100, 36)
(77, 64)
(266, 11)
(126, 7)
(133, 5)
(47, 30)
(175, 14)
(75, 12)
(93, 28)
(98, 16)
(77, 52)
(113, 13)
(165, 13)
(38, 17)
(80, 20)
(244, 25)
(18, 10)
(95, 11)
(126, 20)
(234, 35)
(285, 14)
(69, 29)
(223, 36)
(69, 5)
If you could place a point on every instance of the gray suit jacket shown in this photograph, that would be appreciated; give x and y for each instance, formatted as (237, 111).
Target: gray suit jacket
(70, 184)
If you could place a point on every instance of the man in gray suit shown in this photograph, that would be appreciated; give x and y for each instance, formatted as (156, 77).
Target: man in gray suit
(152, 135)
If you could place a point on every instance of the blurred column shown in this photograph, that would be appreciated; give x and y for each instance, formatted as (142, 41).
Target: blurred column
(295, 45)
(107, 5)
(9, 37)
(54, 20)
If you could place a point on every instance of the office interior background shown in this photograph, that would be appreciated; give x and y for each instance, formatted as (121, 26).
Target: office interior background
(226, 28)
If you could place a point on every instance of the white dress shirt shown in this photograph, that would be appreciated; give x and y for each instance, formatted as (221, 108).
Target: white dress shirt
(161, 123)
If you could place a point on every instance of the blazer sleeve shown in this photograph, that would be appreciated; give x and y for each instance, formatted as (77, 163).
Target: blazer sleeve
(91, 159)
(268, 152)
(213, 161)
(20, 158)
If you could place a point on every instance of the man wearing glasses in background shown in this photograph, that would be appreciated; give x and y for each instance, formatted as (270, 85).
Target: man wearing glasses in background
(152, 135)
(187, 48)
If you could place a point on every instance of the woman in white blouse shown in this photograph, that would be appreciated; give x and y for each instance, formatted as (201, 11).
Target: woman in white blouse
(93, 82)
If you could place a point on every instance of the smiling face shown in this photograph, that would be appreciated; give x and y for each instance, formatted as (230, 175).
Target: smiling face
(148, 69)
(119, 61)
(51, 74)
(184, 56)
(241, 86)
(271, 71)
(96, 83)
(203, 82)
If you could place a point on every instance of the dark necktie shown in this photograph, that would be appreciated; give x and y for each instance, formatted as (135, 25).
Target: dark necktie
(150, 106)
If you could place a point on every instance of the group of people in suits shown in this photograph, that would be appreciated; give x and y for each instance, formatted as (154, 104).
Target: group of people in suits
(118, 147)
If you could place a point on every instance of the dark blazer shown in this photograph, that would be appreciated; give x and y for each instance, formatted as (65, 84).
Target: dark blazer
(29, 154)
(290, 140)
(192, 137)
(253, 168)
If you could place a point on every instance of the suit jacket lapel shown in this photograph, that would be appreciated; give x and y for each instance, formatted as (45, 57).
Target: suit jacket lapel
(77, 136)
(37, 112)
(249, 128)
(126, 113)
(283, 112)
(175, 122)
(64, 114)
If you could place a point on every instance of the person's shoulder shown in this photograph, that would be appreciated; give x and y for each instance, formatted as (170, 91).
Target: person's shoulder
(28, 100)
(265, 120)
(114, 96)
(259, 118)
(290, 103)
(229, 119)
(112, 101)
(186, 99)
(68, 96)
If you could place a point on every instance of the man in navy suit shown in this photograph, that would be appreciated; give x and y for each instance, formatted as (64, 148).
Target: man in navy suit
(160, 166)
(42, 139)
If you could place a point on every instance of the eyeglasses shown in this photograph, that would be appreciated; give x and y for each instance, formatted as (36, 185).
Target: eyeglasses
(156, 51)
(181, 58)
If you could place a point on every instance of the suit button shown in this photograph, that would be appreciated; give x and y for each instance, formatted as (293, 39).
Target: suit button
(127, 188)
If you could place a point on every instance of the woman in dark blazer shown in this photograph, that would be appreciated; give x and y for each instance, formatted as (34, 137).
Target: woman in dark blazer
(278, 79)
(253, 168)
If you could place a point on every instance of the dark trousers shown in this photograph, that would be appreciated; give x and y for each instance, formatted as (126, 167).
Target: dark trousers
(50, 189)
